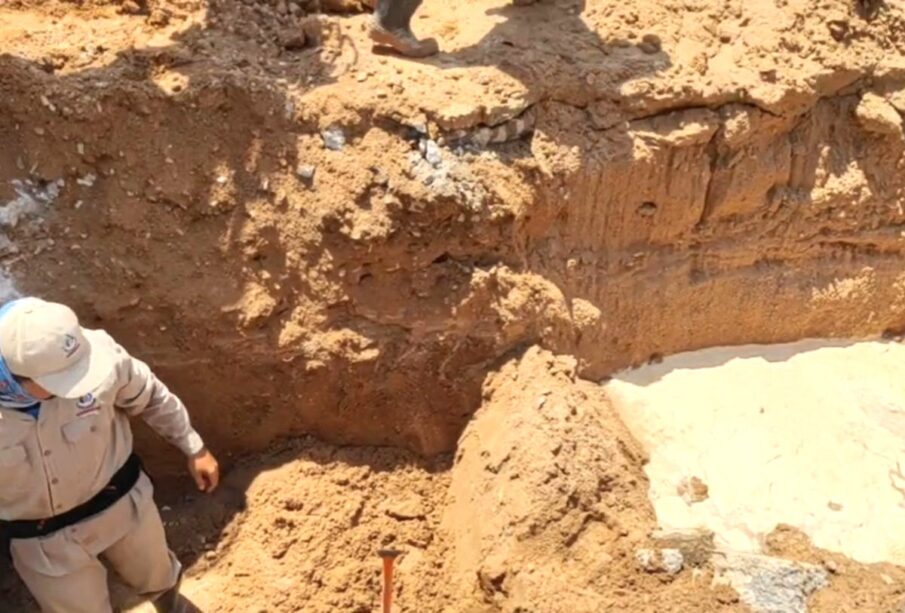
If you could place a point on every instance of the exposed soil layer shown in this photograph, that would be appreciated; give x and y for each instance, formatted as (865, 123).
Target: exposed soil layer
(699, 173)
(307, 238)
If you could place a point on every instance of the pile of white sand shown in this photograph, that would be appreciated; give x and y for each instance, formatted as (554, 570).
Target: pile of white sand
(809, 434)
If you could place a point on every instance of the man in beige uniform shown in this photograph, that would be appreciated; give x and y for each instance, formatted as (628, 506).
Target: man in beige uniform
(71, 490)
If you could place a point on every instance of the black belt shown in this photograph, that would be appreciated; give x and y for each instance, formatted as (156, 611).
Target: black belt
(119, 485)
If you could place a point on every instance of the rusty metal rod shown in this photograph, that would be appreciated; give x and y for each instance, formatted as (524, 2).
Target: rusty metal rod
(389, 557)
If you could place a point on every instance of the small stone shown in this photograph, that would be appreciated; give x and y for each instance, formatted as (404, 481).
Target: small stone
(159, 17)
(86, 181)
(647, 559)
(650, 44)
(48, 103)
(407, 506)
(838, 28)
(129, 7)
(672, 560)
(877, 115)
(668, 561)
(692, 490)
(334, 138)
(695, 545)
(769, 584)
(39, 131)
(305, 171)
(647, 209)
(431, 152)
(293, 39)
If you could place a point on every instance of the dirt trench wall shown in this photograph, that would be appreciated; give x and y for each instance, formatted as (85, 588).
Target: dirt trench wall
(285, 280)
(727, 226)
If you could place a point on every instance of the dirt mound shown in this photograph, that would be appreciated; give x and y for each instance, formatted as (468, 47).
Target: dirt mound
(547, 504)
(308, 532)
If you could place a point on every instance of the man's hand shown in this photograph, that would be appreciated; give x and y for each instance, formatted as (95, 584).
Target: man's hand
(205, 470)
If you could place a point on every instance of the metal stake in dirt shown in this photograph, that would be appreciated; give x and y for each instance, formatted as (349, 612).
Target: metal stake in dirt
(388, 556)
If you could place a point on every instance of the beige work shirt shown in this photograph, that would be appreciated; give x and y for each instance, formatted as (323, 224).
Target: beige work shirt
(67, 455)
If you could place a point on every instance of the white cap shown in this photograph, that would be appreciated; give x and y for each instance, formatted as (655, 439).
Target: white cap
(43, 341)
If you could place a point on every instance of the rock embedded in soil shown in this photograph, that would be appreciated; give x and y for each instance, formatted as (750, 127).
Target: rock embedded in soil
(334, 138)
(668, 561)
(293, 39)
(767, 584)
(407, 506)
(650, 44)
(305, 171)
(877, 115)
(696, 546)
(692, 490)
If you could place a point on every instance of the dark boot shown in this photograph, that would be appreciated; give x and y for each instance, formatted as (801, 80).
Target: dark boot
(392, 28)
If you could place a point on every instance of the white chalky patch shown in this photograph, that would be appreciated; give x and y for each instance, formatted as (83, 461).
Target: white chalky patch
(810, 434)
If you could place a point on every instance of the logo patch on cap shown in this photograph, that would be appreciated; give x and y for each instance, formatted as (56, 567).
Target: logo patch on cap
(70, 345)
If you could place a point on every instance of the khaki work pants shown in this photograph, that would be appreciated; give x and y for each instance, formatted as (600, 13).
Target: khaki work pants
(63, 570)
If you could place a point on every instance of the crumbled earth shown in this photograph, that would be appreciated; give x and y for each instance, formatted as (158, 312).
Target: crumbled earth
(299, 527)
(307, 238)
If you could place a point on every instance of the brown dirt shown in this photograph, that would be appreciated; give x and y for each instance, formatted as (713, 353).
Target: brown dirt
(700, 173)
